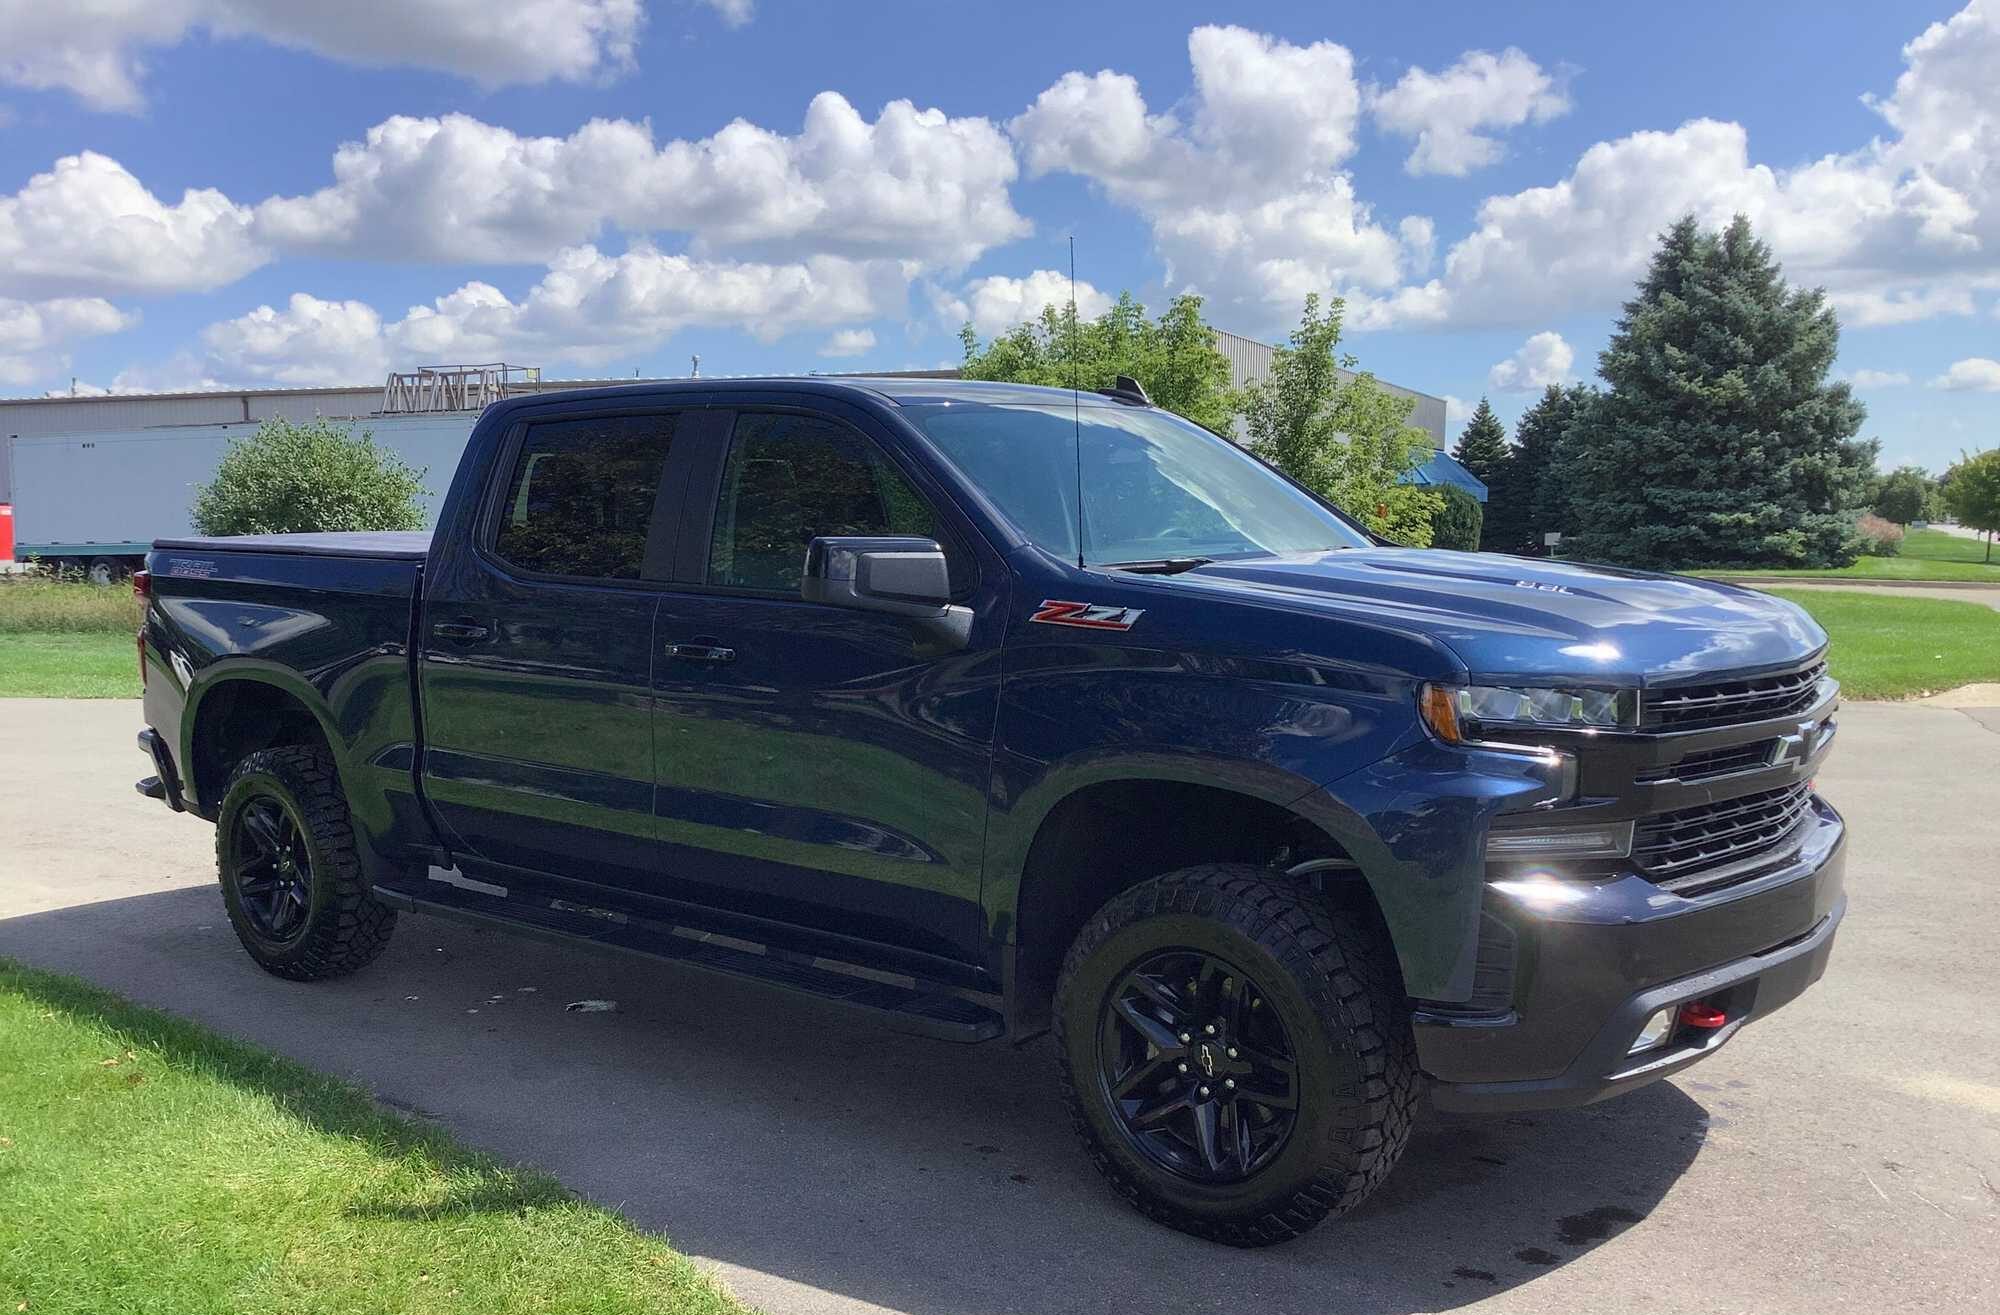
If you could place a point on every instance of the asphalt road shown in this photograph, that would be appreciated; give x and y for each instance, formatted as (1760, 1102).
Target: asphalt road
(1843, 1155)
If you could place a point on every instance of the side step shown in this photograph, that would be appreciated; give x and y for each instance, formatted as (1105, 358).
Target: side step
(905, 1004)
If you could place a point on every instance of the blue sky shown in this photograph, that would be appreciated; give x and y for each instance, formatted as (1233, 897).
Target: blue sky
(255, 192)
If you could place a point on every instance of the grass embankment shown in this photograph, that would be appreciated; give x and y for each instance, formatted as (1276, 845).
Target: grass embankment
(67, 640)
(1926, 555)
(149, 1165)
(1893, 647)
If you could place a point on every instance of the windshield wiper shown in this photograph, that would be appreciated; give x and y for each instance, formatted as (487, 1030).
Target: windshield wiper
(1160, 565)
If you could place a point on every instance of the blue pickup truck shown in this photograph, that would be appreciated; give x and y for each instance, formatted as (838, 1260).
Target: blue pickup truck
(996, 710)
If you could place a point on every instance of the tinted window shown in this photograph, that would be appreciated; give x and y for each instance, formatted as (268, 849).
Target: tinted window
(792, 478)
(581, 496)
(1152, 485)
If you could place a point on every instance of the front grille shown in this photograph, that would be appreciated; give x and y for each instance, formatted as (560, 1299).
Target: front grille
(1730, 702)
(1693, 848)
(1711, 763)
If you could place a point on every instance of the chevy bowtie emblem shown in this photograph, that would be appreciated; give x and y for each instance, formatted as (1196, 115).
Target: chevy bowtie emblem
(1089, 616)
(1793, 748)
(1207, 1057)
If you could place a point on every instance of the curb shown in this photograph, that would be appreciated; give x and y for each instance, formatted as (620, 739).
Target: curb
(1849, 583)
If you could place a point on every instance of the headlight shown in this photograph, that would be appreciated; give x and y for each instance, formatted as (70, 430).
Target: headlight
(1464, 714)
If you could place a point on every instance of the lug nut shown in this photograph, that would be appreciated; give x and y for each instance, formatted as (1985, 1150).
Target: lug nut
(1210, 1029)
(1183, 1068)
(1204, 1091)
(1185, 1038)
(1229, 1083)
(1232, 1052)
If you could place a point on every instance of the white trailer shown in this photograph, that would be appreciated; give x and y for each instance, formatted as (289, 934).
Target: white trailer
(95, 501)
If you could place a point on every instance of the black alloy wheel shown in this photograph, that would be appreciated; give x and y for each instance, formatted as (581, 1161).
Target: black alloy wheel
(1200, 1072)
(273, 869)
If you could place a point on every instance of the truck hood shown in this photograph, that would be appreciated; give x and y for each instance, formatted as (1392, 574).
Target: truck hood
(1517, 616)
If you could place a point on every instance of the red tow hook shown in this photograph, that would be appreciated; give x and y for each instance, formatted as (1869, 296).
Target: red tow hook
(1696, 1014)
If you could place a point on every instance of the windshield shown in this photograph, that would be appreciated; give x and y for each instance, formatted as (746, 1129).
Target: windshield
(1155, 487)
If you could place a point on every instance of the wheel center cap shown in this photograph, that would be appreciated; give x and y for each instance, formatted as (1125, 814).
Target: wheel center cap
(1207, 1055)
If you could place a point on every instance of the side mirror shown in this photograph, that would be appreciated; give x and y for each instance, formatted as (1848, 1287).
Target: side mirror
(899, 576)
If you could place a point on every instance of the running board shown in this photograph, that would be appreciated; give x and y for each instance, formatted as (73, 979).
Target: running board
(905, 1004)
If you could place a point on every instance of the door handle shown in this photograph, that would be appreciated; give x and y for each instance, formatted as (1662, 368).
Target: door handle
(462, 630)
(701, 653)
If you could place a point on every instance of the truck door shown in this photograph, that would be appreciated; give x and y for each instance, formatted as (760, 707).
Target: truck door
(815, 767)
(538, 649)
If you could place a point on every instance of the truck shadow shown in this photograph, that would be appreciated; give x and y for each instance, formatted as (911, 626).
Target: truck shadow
(818, 1160)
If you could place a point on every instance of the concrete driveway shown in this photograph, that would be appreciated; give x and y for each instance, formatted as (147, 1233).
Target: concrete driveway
(1843, 1155)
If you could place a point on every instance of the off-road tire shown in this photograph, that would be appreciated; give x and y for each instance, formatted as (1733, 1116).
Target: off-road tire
(345, 927)
(1333, 976)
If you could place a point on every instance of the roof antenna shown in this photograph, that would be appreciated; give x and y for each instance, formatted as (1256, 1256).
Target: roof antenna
(1076, 397)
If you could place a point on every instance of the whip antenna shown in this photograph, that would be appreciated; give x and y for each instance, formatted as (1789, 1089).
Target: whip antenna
(1076, 397)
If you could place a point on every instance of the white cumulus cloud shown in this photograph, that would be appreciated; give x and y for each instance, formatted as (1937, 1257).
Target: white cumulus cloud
(733, 13)
(589, 307)
(1865, 378)
(97, 50)
(915, 184)
(1973, 374)
(1246, 195)
(1453, 114)
(995, 304)
(88, 226)
(849, 342)
(35, 335)
(1542, 360)
(1896, 229)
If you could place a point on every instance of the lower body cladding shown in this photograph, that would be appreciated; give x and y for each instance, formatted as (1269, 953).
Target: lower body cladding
(1616, 983)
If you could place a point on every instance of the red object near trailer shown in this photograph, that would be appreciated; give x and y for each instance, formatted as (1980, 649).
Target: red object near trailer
(6, 531)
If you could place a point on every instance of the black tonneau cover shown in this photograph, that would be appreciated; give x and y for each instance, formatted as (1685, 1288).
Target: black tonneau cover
(390, 545)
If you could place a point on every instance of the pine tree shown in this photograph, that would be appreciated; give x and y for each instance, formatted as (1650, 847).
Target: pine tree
(1482, 446)
(1720, 442)
(1529, 495)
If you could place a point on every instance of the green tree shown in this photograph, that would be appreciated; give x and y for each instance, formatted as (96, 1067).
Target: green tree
(1529, 495)
(1458, 521)
(1721, 440)
(1344, 436)
(297, 477)
(1973, 494)
(1900, 496)
(1482, 444)
(1174, 357)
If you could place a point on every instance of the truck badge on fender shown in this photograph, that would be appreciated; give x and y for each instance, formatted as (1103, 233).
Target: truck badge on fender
(1090, 616)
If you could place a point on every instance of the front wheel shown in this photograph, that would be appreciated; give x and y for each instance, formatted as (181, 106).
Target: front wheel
(1236, 1056)
(284, 849)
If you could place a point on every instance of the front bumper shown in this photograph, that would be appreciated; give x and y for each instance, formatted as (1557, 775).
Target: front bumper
(1591, 961)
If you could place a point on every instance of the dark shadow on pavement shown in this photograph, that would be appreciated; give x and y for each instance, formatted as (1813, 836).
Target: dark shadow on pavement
(821, 1159)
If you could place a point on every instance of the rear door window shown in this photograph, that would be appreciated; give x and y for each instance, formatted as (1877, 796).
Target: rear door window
(579, 501)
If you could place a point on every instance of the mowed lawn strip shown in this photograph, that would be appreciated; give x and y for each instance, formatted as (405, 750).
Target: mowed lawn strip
(1889, 647)
(66, 666)
(1925, 555)
(63, 640)
(148, 1165)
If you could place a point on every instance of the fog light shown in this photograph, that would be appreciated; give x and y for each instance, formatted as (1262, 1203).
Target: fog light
(1656, 1031)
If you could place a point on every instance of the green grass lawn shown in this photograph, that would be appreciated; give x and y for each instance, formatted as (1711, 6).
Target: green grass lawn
(149, 1165)
(68, 666)
(1926, 555)
(1891, 647)
(67, 640)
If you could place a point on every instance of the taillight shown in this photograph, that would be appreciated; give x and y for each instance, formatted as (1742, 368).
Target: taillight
(142, 589)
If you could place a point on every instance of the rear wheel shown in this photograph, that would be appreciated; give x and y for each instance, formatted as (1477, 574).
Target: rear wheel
(284, 849)
(104, 571)
(1236, 1056)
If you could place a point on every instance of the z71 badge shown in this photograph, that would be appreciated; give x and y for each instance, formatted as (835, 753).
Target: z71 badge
(1090, 616)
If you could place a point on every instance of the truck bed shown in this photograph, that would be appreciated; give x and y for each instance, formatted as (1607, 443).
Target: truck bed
(383, 545)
